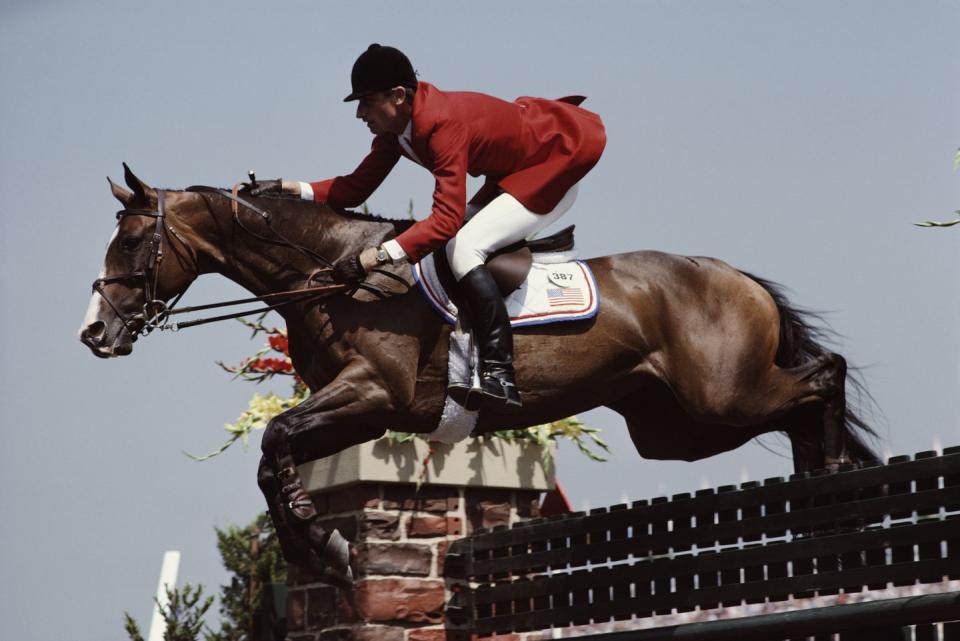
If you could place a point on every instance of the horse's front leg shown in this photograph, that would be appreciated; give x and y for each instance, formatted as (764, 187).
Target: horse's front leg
(348, 411)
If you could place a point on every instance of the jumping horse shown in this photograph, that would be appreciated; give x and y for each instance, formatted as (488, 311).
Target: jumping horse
(696, 356)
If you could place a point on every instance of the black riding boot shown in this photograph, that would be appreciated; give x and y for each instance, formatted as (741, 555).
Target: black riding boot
(491, 329)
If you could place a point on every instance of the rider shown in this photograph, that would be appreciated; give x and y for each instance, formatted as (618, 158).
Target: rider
(532, 152)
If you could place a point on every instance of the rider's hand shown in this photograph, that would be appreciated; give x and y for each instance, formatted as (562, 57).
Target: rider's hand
(349, 271)
(272, 187)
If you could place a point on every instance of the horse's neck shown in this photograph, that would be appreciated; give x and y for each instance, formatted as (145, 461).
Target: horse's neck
(261, 266)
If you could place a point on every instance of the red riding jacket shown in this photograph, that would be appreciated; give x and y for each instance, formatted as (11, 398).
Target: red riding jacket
(533, 148)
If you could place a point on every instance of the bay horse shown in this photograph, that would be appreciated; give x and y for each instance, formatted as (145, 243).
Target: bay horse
(696, 356)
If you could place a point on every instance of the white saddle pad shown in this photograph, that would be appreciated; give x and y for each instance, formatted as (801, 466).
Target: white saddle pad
(553, 292)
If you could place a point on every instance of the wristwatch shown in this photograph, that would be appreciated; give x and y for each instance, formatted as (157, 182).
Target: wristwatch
(382, 256)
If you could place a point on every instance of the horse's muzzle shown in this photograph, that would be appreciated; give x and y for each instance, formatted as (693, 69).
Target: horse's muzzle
(95, 336)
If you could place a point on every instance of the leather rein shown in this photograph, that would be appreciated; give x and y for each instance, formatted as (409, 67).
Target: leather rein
(156, 313)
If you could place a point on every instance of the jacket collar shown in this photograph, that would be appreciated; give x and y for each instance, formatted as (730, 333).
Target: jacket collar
(421, 122)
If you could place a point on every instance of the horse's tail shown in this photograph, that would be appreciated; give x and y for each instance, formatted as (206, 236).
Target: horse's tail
(802, 338)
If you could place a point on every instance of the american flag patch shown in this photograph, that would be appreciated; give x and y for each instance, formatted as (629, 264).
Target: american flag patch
(567, 296)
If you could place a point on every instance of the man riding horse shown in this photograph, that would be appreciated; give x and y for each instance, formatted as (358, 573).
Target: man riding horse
(532, 151)
(697, 356)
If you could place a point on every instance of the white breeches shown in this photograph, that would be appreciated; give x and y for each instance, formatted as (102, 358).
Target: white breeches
(502, 222)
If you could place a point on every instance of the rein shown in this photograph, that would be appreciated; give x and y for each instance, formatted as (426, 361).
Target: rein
(156, 312)
(158, 321)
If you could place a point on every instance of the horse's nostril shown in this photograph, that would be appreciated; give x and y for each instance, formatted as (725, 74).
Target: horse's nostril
(93, 332)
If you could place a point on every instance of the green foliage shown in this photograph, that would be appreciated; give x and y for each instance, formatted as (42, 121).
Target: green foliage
(133, 630)
(935, 223)
(183, 615)
(948, 223)
(252, 555)
(262, 366)
(260, 409)
(570, 428)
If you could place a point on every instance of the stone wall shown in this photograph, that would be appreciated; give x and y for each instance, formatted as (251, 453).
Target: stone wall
(401, 537)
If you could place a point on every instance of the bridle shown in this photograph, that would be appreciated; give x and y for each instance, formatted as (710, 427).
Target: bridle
(156, 313)
(148, 276)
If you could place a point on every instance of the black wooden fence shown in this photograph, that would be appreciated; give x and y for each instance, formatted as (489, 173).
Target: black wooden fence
(814, 534)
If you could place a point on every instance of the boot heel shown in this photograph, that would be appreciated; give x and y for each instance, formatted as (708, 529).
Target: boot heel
(470, 398)
(474, 400)
(459, 393)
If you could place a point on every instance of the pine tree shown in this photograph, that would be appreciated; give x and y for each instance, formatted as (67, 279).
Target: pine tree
(183, 615)
(252, 555)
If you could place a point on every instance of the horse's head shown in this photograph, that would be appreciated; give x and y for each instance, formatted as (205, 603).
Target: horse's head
(147, 263)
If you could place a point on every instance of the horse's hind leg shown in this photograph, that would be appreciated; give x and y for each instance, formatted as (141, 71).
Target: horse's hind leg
(820, 425)
(830, 375)
(808, 401)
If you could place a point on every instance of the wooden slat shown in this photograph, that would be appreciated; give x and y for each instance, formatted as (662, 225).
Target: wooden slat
(927, 549)
(617, 610)
(897, 472)
(725, 531)
(665, 568)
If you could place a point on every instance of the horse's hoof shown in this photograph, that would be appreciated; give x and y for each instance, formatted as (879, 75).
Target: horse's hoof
(337, 552)
(326, 573)
(333, 553)
(342, 580)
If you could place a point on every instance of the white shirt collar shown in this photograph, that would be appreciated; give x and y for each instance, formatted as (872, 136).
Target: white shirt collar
(406, 138)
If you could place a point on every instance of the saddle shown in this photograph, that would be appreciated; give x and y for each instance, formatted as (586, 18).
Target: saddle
(510, 265)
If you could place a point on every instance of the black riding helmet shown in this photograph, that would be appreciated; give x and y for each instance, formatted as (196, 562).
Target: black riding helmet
(380, 68)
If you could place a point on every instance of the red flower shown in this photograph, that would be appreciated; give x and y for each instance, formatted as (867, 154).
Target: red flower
(270, 365)
(279, 343)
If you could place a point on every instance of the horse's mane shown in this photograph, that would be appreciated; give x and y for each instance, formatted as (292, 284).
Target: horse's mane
(399, 224)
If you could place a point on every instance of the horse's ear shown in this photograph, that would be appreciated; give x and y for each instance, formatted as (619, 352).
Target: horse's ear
(125, 196)
(141, 190)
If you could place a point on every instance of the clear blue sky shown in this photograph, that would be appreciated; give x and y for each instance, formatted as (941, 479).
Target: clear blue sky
(796, 140)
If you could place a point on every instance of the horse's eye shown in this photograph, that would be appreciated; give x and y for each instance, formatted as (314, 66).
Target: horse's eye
(130, 243)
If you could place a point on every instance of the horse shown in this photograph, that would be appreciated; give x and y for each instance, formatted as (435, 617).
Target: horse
(697, 356)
